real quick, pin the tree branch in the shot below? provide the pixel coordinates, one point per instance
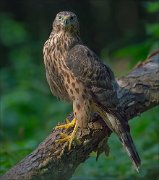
(51, 160)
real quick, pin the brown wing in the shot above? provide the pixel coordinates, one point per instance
(100, 81)
(97, 77)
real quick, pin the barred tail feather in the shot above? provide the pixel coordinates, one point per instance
(128, 144)
(118, 124)
(121, 128)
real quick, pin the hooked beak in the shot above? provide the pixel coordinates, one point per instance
(65, 20)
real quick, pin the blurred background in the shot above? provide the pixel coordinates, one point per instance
(121, 32)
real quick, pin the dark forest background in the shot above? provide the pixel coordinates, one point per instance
(121, 32)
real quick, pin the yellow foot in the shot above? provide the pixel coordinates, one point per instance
(67, 125)
(69, 138)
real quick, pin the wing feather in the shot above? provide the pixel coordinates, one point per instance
(96, 75)
(100, 81)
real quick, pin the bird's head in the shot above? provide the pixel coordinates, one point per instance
(66, 21)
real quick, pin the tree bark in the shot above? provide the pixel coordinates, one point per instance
(138, 92)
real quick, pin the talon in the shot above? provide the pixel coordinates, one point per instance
(67, 121)
(67, 125)
(65, 137)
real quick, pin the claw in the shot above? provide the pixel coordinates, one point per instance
(67, 121)
(67, 125)
(65, 137)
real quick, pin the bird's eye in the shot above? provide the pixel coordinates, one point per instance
(71, 18)
(60, 17)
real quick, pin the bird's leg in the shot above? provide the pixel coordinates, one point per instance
(67, 125)
(81, 118)
(65, 137)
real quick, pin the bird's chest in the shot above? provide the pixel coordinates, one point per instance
(61, 80)
(55, 69)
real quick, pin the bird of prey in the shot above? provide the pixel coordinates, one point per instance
(76, 74)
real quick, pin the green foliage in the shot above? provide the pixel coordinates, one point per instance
(139, 51)
(152, 7)
(11, 32)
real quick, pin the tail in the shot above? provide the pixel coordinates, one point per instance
(121, 128)
(118, 124)
(128, 144)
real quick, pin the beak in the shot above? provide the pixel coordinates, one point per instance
(65, 19)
